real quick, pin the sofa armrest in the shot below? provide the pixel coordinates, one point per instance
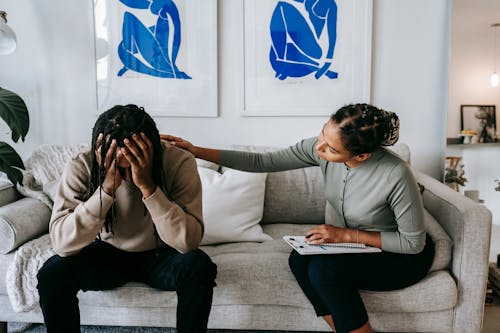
(8, 193)
(469, 226)
(21, 221)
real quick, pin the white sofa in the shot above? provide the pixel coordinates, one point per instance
(255, 288)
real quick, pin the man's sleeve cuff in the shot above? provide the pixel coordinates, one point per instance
(157, 203)
(98, 204)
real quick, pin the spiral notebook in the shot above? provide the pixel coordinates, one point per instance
(299, 244)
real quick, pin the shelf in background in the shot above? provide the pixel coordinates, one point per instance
(473, 145)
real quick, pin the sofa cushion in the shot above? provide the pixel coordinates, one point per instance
(8, 192)
(293, 196)
(258, 274)
(442, 243)
(232, 206)
(5, 261)
(207, 164)
(249, 279)
(16, 229)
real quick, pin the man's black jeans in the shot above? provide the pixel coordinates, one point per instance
(100, 266)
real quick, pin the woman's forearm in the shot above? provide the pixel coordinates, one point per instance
(371, 238)
(207, 154)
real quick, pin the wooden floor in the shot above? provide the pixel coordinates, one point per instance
(491, 322)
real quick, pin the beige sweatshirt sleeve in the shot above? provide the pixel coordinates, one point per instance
(179, 220)
(74, 223)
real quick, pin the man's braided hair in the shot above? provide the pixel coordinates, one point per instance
(119, 123)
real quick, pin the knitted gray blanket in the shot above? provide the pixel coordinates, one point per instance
(43, 167)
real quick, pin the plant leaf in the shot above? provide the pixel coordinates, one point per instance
(14, 112)
(9, 162)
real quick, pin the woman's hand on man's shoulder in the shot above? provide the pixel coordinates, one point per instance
(178, 142)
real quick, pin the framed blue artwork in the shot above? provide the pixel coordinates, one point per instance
(306, 57)
(159, 54)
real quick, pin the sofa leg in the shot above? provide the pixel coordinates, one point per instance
(3, 327)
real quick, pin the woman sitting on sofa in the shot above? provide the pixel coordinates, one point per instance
(372, 198)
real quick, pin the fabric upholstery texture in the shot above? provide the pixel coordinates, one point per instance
(5, 261)
(469, 226)
(8, 193)
(15, 229)
(250, 279)
(442, 243)
(287, 191)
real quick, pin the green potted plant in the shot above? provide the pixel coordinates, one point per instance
(14, 112)
(454, 177)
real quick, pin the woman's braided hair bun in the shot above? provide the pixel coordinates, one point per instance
(392, 134)
(364, 127)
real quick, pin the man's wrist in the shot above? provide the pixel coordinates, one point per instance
(148, 191)
(107, 190)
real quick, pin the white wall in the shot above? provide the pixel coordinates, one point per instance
(471, 59)
(53, 70)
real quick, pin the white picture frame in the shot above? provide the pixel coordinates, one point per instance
(181, 83)
(267, 95)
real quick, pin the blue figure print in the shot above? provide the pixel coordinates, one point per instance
(295, 49)
(151, 50)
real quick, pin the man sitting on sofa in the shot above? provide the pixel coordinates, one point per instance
(129, 209)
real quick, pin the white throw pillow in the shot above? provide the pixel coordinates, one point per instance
(233, 203)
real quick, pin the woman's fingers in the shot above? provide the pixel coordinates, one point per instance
(316, 239)
(169, 137)
(182, 144)
(313, 235)
(176, 141)
(319, 234)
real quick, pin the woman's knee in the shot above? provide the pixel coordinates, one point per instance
(297, 262)
(325, 270)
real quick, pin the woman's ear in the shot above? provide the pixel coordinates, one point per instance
(363, 157)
